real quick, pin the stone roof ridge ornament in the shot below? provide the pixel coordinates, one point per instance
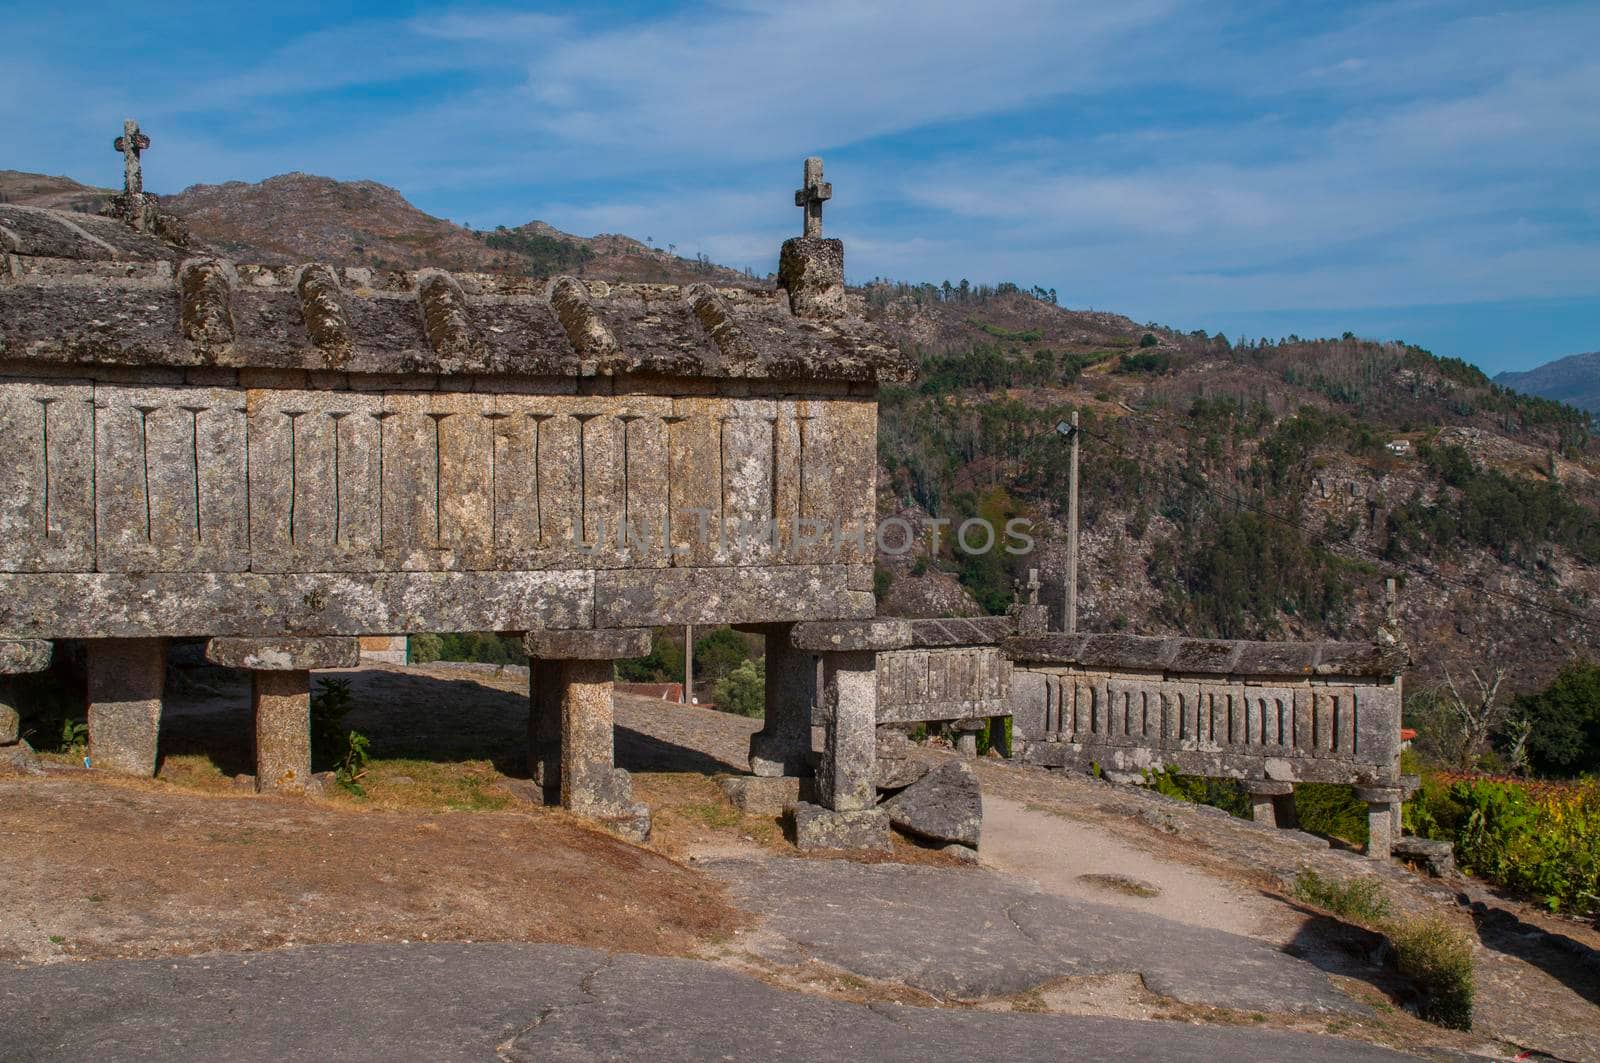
(811, 267)
(133, 206)
(810, 196)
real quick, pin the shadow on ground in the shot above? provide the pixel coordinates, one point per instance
(405, 715)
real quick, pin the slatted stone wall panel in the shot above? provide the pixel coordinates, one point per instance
(942, 684)
(1235, 728)
(170, 488)
(46, 483)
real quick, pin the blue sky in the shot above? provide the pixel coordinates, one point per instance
(1419, 170)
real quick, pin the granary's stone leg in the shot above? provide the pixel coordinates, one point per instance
(847, 777)
(783, 745)
(126, 680)
(1272, 803)
(848, 816)
(575, 670)
(17, 658)
(280, 698)
(544, 728)
(967, 737)
(281, 702)
(1383, 802)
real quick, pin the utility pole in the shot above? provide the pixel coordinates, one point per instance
(688, 664)
(1069, 611)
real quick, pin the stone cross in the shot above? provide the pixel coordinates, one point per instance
(131, 143)
(815, 193)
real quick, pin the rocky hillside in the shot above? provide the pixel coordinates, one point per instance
(1574, 380)
(1240, 489)
(1247, 489)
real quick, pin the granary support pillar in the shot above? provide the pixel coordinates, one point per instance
(571, 680)
(126, 681)
(18, 657)
(847, 815)
(280, 699)
(1272, 803)
(783, 745)
(1383, 813)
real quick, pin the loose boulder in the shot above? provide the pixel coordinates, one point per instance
(945, 805)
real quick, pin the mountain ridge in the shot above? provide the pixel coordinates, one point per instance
(1574, 379)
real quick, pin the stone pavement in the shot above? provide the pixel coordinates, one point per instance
(487, 1001)
(971, 934)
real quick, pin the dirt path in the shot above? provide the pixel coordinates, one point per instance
(1088, 862)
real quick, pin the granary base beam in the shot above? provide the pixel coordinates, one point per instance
(280, 699)
(571, 681)
(126, 680)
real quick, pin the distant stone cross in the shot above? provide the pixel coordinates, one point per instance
(131, 143)
(815, 193)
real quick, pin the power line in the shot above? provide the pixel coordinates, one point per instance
(1364, 554)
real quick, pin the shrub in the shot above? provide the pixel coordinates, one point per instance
(331, 742)
(1538, 840)
(1438, 958)
(717, 653)
(664, 663)
(1564, 736)
(743, 690)
(1331, 810)
(421, 649)
(1226, 794)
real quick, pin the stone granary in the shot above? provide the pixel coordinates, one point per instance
(283, 460)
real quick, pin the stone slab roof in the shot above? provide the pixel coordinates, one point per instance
(84, 290)
(1207, 656)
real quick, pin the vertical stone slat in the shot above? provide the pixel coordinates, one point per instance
(46, 490)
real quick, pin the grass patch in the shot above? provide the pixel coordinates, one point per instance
(1360, 901)
(1435, 955)
(432, 786)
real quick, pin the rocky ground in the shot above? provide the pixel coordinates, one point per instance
(1101, 915)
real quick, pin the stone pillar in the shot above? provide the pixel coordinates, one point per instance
(126, 680)
(575, 674)
(848, 816)
(1272, 802)
(18, 657)
(783, 745)
(280, 699)
(967, 737)
(847, 778)
(1383, 807)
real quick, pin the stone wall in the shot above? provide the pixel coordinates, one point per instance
(170, 502)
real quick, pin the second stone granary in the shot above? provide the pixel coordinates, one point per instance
(282, 459)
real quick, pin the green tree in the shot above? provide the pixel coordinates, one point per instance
(717, 653)
(1564, 717)
(743, 690)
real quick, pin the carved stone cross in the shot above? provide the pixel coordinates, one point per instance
(131, 143)
(815, 193)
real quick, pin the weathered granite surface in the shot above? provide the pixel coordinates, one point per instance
(945, 805)
(63, 306)
(817, 828)
(599, 644)
(1208, 656)
(126, 679)
(284, 654)
(19, 657)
